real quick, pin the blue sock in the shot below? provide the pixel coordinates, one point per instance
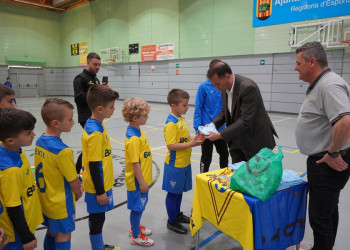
(63, 245)
(170, 203)
(178, 203)
(97, 242)
(135, 218)
(49, 242)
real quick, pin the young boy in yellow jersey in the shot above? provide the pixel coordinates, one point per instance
(138, 173)
(7, 97)
(177, 176)
(7, 100)
(98, 177)
(20, 211)
(56, 177)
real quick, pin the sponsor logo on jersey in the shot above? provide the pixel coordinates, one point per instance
(183, 140)
(30, 191)
(146, 154)
(107, 152)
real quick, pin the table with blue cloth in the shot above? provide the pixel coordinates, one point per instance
(276, 223)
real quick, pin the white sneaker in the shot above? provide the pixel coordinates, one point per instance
(145, 231)
(142, 240)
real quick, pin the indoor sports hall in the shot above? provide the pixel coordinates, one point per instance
(149, 47)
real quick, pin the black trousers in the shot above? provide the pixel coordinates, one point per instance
(325, 185)
(79, 163)
(207, 152)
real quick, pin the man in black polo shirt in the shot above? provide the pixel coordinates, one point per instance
(81, 84)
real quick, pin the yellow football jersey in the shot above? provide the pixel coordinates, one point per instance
(18, 189)
(137, 149)
(97, 147)
(54, 169)
(176, 131)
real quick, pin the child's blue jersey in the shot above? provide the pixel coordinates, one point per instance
(137, 149)
(54, 169)
(176, 131)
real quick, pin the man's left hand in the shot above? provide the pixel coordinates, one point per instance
(213, 136)
(105, 83)
(338, 164)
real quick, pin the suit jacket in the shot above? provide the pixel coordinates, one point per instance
(248, 127)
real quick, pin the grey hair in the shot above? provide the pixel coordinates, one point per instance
(313, 49)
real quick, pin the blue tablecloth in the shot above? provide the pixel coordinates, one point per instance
(279, 222)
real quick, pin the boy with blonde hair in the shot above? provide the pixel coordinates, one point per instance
(20, 213)
(56, 177)
(138, 173)
(98, 176)
(177, 176)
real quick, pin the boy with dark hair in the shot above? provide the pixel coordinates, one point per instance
(56, 177)
(98, 177)
(138, 173)
(20, 212)
(7, 97)
(7, 100)
(177, 176)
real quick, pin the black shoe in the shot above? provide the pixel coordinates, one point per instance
(111, 247)
(183, 218)
(176, 227)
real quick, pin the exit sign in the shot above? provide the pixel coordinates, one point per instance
(262, 62)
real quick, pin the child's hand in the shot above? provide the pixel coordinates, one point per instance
(78, 195)
(30, 245)
(102, 199)
(197, 140)
(143, 187)
(4, 240)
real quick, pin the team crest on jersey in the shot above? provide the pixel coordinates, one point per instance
(143, 201)
(172, 183)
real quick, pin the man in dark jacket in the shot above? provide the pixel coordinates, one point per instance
(248, 127)
(81, 84)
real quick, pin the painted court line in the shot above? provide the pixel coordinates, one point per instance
(282, 120)
(207, 240)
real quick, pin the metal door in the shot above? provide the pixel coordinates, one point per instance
(27, 85)
(25, 81)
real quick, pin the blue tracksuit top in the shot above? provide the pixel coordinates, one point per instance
(8, 84)
(207, 106)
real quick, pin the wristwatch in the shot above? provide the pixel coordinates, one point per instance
(333, 155)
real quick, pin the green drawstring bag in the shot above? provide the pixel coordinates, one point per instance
(260, 176)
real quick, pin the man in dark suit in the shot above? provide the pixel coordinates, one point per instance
(248, 127)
